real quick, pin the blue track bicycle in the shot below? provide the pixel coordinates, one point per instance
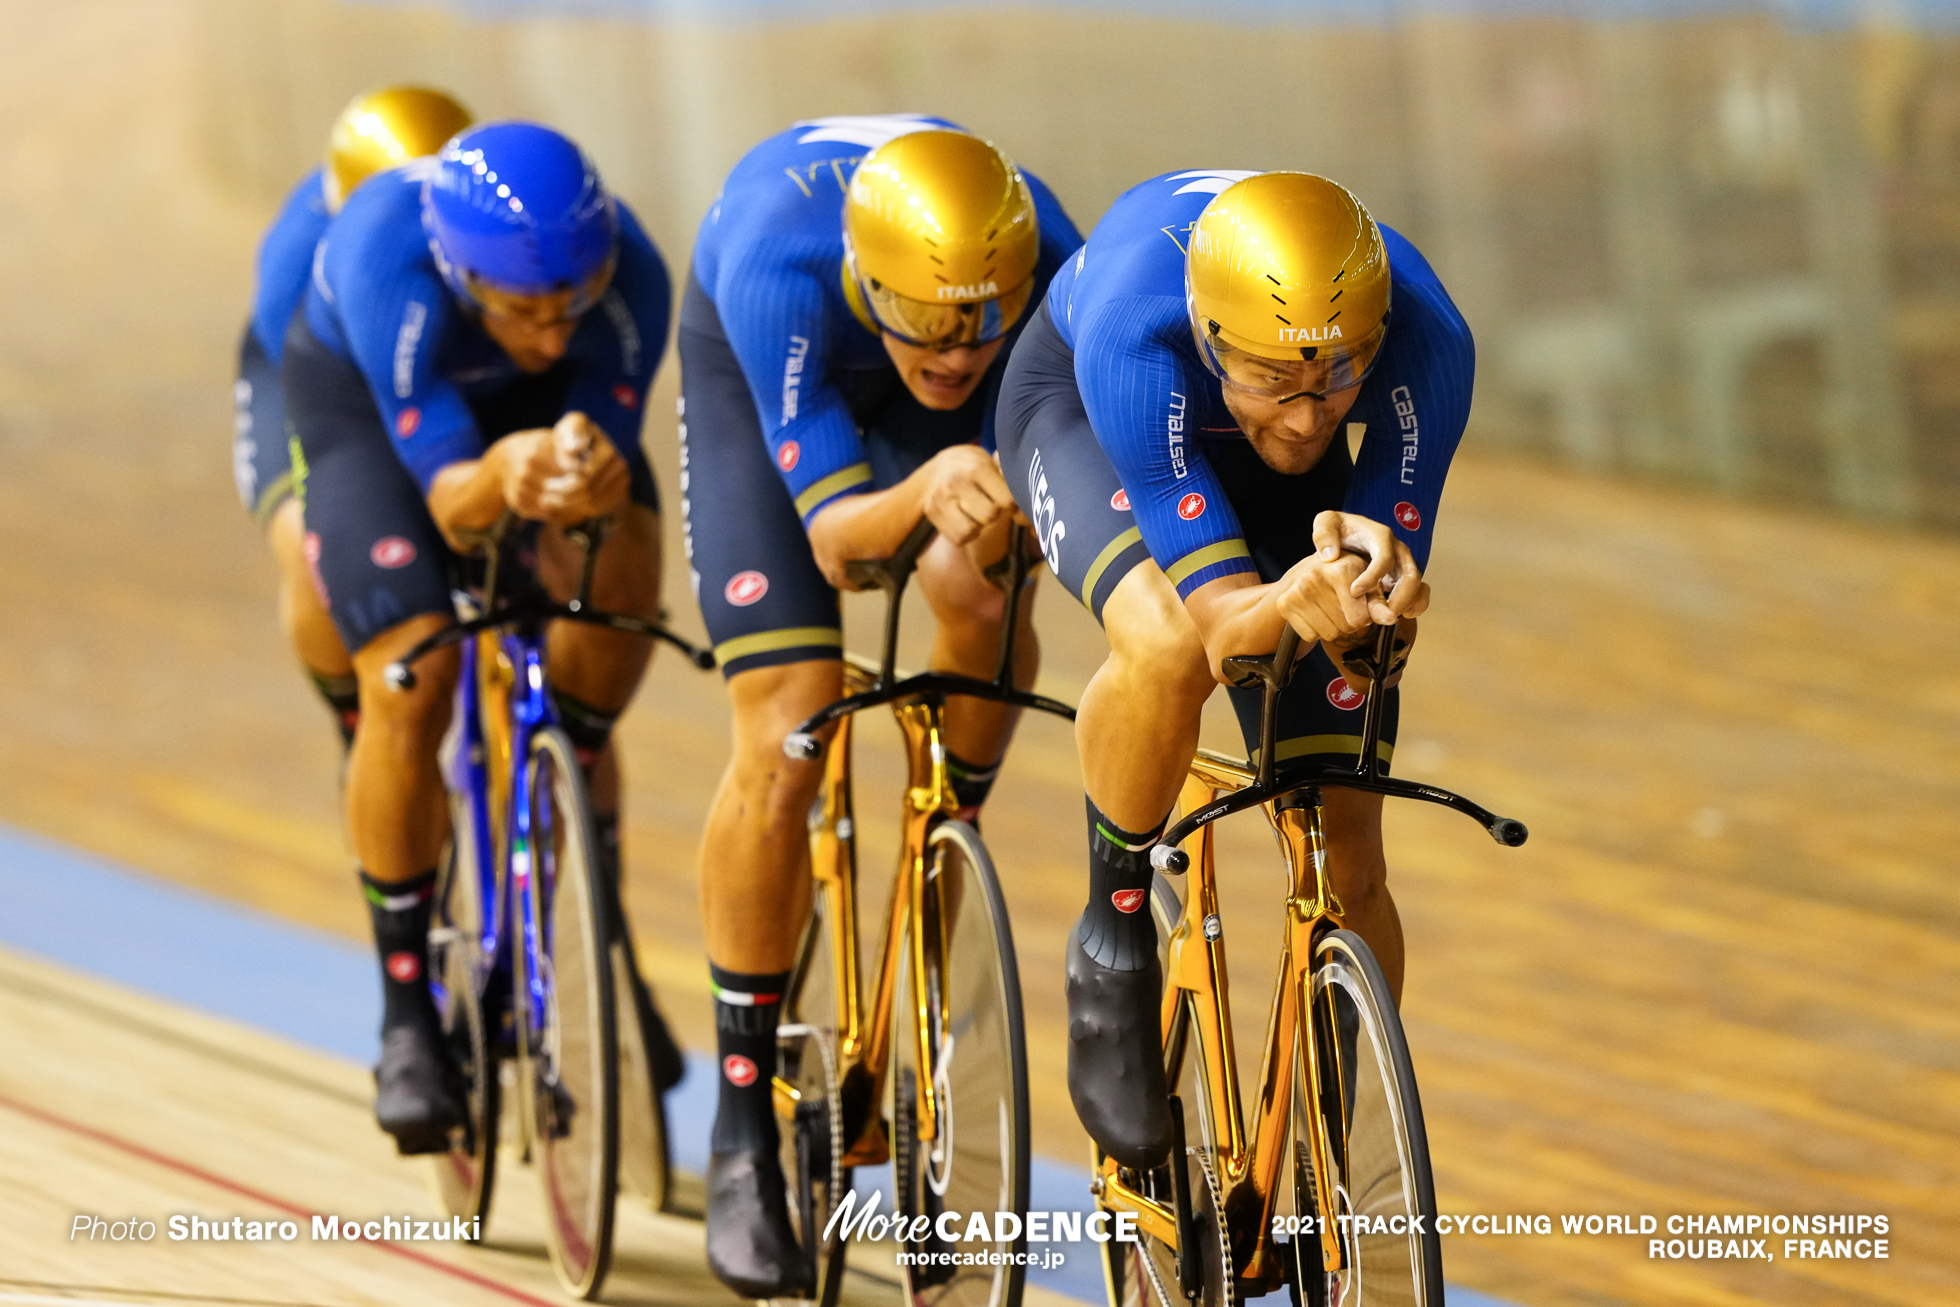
(529, 956)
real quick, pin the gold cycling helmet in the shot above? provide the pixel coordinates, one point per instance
(1288, 287)
(940, 240)
(380, 129)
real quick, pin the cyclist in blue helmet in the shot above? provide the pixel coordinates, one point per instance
(447, 366)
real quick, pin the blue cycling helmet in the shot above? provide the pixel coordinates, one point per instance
(518, 207)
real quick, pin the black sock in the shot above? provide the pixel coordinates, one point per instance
(746, 1008)
(971, 782)
(343, 699)
(585, 726)
(400, 913)
(1117, 930)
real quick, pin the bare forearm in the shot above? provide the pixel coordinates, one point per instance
(1236, 615)
(866, 526)
(468, 496)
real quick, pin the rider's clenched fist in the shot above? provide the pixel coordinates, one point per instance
(565, 475)
(965, 492)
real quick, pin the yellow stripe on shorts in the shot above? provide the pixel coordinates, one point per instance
(1103, 560)
(795, 637)
(1306, 746)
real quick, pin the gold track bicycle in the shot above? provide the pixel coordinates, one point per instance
(1335, 1114)
(932, 1074)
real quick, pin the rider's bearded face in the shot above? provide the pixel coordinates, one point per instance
(1290, 437)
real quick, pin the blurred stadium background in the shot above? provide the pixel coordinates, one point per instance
(1695, 578)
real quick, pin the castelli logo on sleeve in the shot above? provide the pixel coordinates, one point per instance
(407, 421)
(1409, 515)
(744, 588)
(391, 552)
(1120, 501)
(1191, 506)
(786, 456)
(1127, 900)
(405, 967)
(1343, 695)
(741, 1072)
(627, 397)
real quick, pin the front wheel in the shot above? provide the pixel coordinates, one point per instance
(973, 1059)
(1377, 1148)
(568, 1070)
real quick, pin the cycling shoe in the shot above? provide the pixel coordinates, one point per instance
(416, 1098)
(1115, 1058)
(751, 1247)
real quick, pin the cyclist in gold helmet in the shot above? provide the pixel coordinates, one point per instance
(376, 131)
(842, 339)
(1176, 421)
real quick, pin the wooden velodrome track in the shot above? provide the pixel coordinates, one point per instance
(1720, 979)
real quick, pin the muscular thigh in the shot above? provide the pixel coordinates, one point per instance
(376, 556)
(761, 595)
(1059, 474)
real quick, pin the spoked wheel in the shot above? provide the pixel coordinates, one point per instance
(1147, 1273)
(567, 1075)
(644, 1171)
(809, 1105)
(1377, 1148)
(977, 1070)
(464, 1177)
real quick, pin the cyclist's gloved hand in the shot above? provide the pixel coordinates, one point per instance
(965, 492)
(565, 475)
(1391, 583)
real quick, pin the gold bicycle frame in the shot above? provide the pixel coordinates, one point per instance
(833, 865)
(1250, 1168)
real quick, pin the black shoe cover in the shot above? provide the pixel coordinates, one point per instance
(751, 1247)
(1116, 1059)
(416, 1093)
(667, 1064)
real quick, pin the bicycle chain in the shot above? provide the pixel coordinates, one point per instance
(833, 1101)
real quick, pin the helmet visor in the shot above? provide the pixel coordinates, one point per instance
(1315, 373)
(945, 326)
(563, 304)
